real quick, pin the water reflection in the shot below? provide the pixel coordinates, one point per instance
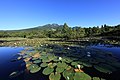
(9, 62)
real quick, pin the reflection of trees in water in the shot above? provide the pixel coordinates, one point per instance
(101, 43)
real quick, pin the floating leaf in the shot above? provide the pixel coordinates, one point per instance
(96, 78)
(115, 64)
(74, 63)
(44, 64)
(37, 61)
(34, 59)
(55, 76)
(64, 65)
(87, 64)
(68, 74)
(16, 73)
(47, 71)
(81, 76)
(60, 69)
(34, 68)
(36, 55)
(52, 65)
(104, 68)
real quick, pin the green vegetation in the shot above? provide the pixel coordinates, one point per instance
(56, 50)
(63, 31)
(53, 61)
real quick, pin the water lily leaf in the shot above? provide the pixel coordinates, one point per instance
(34, 59)
(37, 61)
(81, 76)
(36, 55)
(44, 64)
(68, 74)
(19, 58)
(45, 60)
(56, 60)
(74, 63)
(55, 76)
(87, 64)
(104, 68)
(51, 57)
(63, 64)
(60, 69)
(13, 74)
(68, 60)
(98, 59)
(115, 64)
(47, 71)
(96, 78)
(68, 67)
(34, 68)
(52, 65)
(16, 73)
(43, 57)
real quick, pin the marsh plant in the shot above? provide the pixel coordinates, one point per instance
(68, 62)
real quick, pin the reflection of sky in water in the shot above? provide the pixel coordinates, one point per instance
(6, 53)
(110, 48)
(6, 66)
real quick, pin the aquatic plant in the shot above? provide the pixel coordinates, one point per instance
(96, 78)
(34, 68)
(81, 76)
(70, 66)
(54, 76)
(47, 71)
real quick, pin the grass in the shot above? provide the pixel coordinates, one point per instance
(30, 42)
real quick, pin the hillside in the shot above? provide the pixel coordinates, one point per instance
(63, 31)
(46, 27)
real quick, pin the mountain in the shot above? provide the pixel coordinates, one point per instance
(45, 27)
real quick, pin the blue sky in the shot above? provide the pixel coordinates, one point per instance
(21, 14)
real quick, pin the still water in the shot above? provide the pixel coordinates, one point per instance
(9, 62)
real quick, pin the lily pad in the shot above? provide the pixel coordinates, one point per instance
(81, 76)
(47, 71)
(87, 64)
(34, 68)
(74, 63)
(60, 69)
(68, 74)
(104, 68)
(37, 61)
(63, 64)
(55, 76)
(52, 65)
(96, 78)
(44, 64)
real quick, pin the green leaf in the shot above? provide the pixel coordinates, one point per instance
(47, 71)
(44, 64)
(37, 61)
(104, 68)
(96, 78)
(55, 76)
(60, 69)
(34, 68)
(81, 76)
(68, 74)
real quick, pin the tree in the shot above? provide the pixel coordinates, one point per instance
(65, 28)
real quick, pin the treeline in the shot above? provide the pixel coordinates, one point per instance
(63, 32)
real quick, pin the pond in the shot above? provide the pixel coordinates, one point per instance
(11, 61)
(110, 48)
